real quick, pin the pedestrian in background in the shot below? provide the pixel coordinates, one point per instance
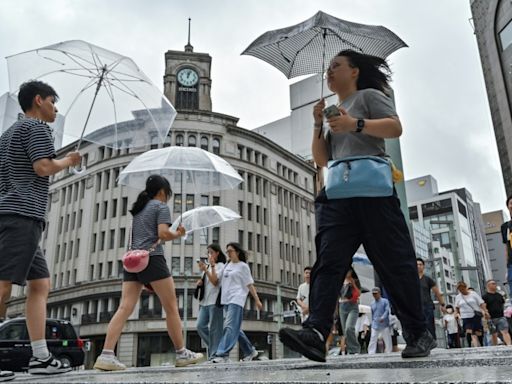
(380, 323)
(495, 303)
(349, 310)
(237, 283)
(451, 325)
(506, 234)
(365, 116)
(210, 317)
(27, 159)
(150, 226)
(427, 285)
(471, 308)
(363, 331)
(303, 295)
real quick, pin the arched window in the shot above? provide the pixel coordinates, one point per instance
(216, 146)
(204, 143)
(167, 142)
(154, 142)
(179, 140)
(192, 141)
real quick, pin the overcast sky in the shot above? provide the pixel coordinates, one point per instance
(438, 81)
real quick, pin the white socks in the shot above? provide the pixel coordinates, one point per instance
(181, 351)
(40, 349)
(108, 353)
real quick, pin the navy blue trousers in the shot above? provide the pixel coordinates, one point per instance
(379, 225)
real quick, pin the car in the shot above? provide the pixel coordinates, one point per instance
(15, 349)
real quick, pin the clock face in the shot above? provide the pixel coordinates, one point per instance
(188, 77)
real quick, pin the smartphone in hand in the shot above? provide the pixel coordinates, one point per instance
(331, 111)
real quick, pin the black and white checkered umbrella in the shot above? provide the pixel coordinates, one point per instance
(302, 49)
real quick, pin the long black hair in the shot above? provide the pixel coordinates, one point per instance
(355, 277)
(221, 258)
(242, 255)
(374, 72)
(154, 184)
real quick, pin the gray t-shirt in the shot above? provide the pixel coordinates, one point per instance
(145, 226)
(363, 104)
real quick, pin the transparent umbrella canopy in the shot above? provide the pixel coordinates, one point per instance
(104, 96)
(10, 112)
(188, 169)
(204, 217)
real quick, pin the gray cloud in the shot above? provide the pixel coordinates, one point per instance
(438, 80)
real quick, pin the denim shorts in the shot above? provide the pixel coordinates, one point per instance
(21, 258)
(500, 323)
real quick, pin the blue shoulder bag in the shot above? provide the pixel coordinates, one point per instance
(358, 176)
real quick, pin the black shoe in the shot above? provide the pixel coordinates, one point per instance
(305, 341)
(420, 347)
(48, 366)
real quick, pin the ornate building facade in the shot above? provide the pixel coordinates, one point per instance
(89, 222)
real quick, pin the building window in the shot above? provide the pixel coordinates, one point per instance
(249, 211)
(98, 182)
(177, 204)
(189, 204)
(102, 241)
(204, 143)
(192, 141)
(216, 235)
(175, 265)
(241, 208)
(122, 237)
(125, 206)
(249, 182)
(112, 239)
(241, 238)
(179, 140)
(114, 207)
(249, 241)
(216, 200)
(506, 36)
(188, 266)
(216, 146)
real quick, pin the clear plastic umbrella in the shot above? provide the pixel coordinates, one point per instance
(204, 217)
(104, 96)
(188, 169)
(10, 112)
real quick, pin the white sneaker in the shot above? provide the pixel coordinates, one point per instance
(109, 363)
(254, 354)
(187, 357)
(220, 359)
(6, 376)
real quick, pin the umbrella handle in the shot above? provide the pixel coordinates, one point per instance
(78, 170)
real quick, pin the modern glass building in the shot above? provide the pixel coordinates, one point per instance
(492, 20)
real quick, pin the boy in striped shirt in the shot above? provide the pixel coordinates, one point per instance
(27, 159)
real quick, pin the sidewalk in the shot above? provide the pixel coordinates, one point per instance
(471, 365)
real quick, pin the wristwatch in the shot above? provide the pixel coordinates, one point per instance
(359, 125)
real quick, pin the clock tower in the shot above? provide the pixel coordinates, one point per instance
(187, 79)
